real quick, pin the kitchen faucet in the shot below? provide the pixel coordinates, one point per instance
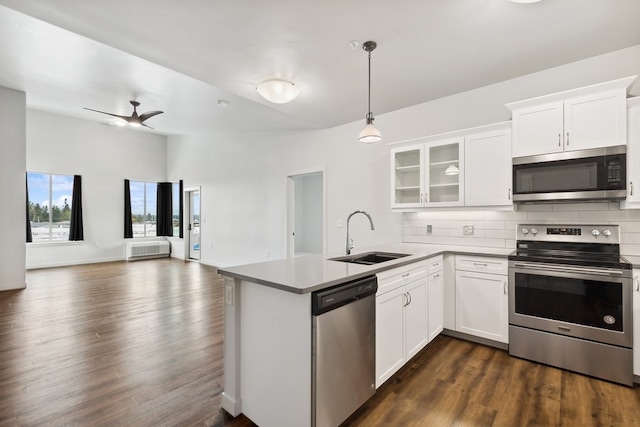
(350, 242)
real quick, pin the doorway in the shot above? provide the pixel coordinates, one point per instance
(193, 216)
(306, 213)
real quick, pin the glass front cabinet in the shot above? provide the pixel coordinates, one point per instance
(428, 174)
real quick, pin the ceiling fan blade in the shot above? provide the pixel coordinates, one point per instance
(109, 114)
(149, 114)
(146, 125)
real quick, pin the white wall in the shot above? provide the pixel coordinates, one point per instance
(12, 188)
(243, 175)
(104, 155)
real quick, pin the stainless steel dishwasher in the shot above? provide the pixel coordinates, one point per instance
(343, 350)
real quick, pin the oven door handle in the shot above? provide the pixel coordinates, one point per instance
(567, 269)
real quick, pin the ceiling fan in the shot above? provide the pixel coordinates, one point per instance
(134, 120)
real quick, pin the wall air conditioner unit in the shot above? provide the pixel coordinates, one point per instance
(147, 250)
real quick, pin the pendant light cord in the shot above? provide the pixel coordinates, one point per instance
(369, 97)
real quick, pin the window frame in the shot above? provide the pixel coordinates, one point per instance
(50, 240)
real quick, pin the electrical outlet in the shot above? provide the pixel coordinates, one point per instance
(429, 229)
(467, 230)
(228, 295)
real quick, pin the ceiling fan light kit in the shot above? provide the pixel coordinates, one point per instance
(278, 91)
(369, 134)
(134, 120)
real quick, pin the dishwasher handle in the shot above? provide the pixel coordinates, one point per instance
(342, 294)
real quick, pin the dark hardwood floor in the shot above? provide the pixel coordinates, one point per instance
(140, 344)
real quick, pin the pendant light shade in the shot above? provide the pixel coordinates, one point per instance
(369, 134)
(278, 91)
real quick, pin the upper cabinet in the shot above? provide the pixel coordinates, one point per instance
(488, 167)
(590, 117)
(428, 174)
(633, 154)
(471, 167)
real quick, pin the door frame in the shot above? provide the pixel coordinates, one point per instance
(187, 214)
(289, 240)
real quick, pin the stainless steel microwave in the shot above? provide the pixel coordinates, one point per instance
(593, 174)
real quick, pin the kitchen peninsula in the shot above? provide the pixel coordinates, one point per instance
(268, 327)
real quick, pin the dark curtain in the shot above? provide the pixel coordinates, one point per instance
(164, 209)
(180, 219)
(76, 231)
(128, 222)
(29, 236)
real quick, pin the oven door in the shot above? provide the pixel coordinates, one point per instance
(581, 302)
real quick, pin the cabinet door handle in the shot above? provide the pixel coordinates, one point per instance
(631, 188)
(567, 138)
(405, 275)
(509, 194)
(637, 283)
(559, 140)
(504, 287)
(410, 299)
(426, 197)
(435, 276)
(479, 264)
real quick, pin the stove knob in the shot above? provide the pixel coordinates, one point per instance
(525, 231)
(606, 232)
(595, 232)
(534, 231)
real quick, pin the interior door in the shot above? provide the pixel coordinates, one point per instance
(194, 224)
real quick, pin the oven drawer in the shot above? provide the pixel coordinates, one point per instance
(482, 264)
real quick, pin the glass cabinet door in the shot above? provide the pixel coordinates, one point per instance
(407, 177)
(445, 178)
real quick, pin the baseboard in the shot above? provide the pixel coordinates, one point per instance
(472, 338)
(81, 262)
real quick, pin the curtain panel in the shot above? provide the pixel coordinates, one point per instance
(180, 217)
(128, 220)
(76, 228)
(164, 209)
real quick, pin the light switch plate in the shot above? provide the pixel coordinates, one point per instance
(467, 230)
(429, 228)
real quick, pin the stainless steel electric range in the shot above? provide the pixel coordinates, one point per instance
(570, 300)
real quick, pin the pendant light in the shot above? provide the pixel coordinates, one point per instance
(369, 134)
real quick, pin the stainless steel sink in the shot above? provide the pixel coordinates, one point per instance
(369, 258)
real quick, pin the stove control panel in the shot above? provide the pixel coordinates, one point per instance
(568, 233)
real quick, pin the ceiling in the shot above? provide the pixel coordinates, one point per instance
(183, 56)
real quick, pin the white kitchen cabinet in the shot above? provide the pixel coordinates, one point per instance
(481, 297)
(633, 154)
(419, 174)
(401, 318)
(488, 168)
(407, 176)
(636, 322)
(435, 297)
(584, 118)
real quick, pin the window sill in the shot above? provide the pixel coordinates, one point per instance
(55, 243)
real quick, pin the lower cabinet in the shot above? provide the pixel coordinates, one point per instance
(481, 297)
(401, 318)
(435, 284)
(636, 322)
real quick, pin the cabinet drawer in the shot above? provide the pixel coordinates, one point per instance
(434, 264)
(494, 265)
(394, 278)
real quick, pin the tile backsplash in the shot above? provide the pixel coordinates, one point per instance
(496, 229)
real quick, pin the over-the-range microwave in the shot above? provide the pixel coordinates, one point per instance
(593, 174)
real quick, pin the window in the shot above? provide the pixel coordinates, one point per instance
(175, 187)
(50, 201)
(143, 208)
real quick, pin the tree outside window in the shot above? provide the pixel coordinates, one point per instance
(50, 199)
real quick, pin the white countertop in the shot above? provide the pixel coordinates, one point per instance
(310, 273)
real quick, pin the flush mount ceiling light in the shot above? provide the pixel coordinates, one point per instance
(369, 134)
(278, 91)
(452, 170)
